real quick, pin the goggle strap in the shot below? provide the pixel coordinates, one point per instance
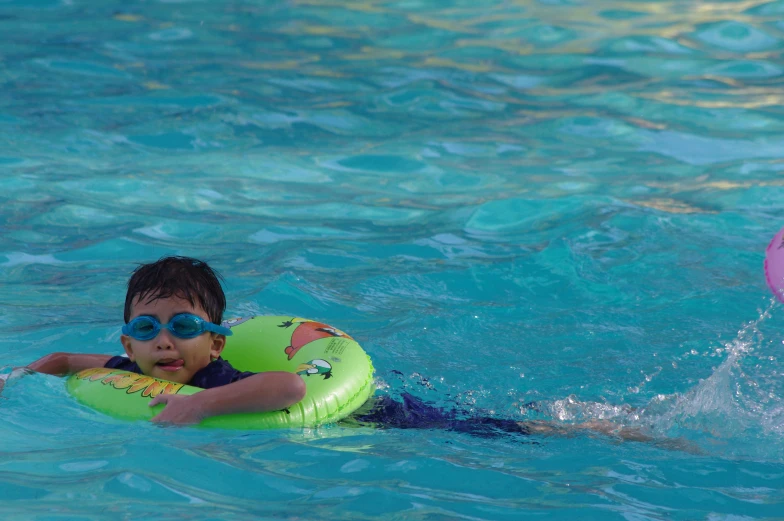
(214, 328)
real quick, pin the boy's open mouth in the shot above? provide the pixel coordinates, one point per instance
(170, 364)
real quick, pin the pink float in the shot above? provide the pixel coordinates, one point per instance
(774, 265)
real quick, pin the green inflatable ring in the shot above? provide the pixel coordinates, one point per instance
(338, 375)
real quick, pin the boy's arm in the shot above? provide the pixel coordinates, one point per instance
(67, 363)
(59, 364)
(262, 392)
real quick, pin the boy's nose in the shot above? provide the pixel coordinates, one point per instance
(164, 340)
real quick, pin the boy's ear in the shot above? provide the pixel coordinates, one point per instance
(125, 340)
(218, 343)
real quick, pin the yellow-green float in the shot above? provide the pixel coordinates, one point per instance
(338, 375)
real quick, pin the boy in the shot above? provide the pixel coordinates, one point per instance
(173, 311)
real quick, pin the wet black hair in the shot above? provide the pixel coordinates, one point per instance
(183, 277)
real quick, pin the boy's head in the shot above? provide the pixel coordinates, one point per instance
(184, 277)
(163, 290)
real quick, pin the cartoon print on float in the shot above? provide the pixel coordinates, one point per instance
(133, 382)
(318, 366)
(307, 332)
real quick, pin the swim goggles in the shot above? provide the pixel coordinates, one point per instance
(184, 325)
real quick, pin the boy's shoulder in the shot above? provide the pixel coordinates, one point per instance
(217, 373)
(123, 363)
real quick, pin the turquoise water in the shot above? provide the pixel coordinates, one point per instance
(564, 202)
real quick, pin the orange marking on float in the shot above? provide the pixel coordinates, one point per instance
(161, 387)
(96, 373)
(141, 384)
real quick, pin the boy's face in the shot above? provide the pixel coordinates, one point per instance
(166, 356)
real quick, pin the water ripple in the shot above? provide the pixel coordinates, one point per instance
(553, 202)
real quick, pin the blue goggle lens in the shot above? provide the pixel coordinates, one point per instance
(186, 327)
(144, 328)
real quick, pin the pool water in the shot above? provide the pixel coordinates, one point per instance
(560, 202)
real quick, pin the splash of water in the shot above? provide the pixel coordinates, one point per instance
(741, 400)
(730, 403)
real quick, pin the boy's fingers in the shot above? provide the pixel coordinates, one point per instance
(161, 398)
(157, 418)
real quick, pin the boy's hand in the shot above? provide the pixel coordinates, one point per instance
(17, 372)
(179, 410)
(262, 392)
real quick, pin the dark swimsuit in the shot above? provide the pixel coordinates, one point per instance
(413, 413)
